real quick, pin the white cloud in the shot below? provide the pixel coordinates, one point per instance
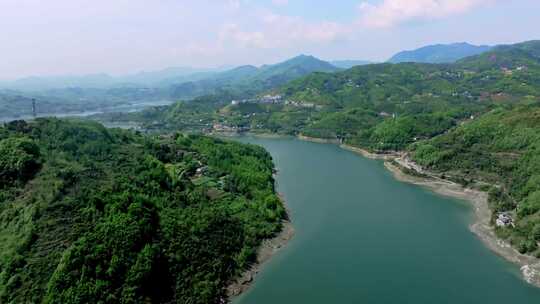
(119, 36)
(233, 4)
(233, 34)
(393, 12)
(280, 2)
(267, 30)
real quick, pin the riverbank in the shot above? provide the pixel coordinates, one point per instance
(318, 140)
(367, 154)
(481, 227)
(253, 134)
(266, 251)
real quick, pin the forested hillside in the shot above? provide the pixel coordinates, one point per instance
(419, 100)
(95, 215)
(475, 120)
(379, 106)
(248, 80)
(501, 148)
(440, 53)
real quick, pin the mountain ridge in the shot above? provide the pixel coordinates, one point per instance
(249, 79)
(439, 53)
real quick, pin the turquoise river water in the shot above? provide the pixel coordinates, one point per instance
(364, 237)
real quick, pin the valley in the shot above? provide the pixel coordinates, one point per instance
(445, 117)
(172, 212)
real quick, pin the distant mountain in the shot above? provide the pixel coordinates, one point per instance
(516, 56)
(247, 80)
(238, 73)
(440, 53)
(296, 67)
(347, 64)
(505, 73)
(55, 82)
(168, 75)
(103, 81)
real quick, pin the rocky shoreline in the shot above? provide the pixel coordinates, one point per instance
(318, 140)
(481, 227)
(367, 154)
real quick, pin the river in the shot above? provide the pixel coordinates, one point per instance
(129, 107)
(364, 237)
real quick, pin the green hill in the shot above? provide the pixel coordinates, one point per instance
(93, 215)
(439, 53)
(502, 148)
(347, 64)
(505, 57)
(474, 120)
(246, 81)
(418, 94)
(387, 106)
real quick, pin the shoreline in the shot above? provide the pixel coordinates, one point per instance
(318, 140)
(371, 155)
(265, 252)
(481, 226)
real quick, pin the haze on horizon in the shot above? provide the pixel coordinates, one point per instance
(63, 37)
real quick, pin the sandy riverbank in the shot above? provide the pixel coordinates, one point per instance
(530, 266)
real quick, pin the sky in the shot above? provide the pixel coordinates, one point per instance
(75, 37)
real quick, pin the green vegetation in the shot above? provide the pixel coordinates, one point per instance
(246, 81)
(378, 106)
(439, 53)
(91, 215)
(474, 121)
(503, 149)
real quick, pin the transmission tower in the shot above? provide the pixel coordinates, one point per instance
(34, 113)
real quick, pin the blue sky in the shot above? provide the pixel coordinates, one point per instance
(58, 37)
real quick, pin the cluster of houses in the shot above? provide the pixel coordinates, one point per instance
(508, 71)
(266, 99)
(504, 220)
(465, 94)
(219, 127)
(275, 99)
(301, 104)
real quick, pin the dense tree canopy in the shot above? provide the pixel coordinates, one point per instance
(110, 216)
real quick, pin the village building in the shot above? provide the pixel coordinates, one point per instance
(504, 220)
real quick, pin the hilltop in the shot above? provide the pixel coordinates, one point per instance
(96, 215)
(439, 53)
(249, 80)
